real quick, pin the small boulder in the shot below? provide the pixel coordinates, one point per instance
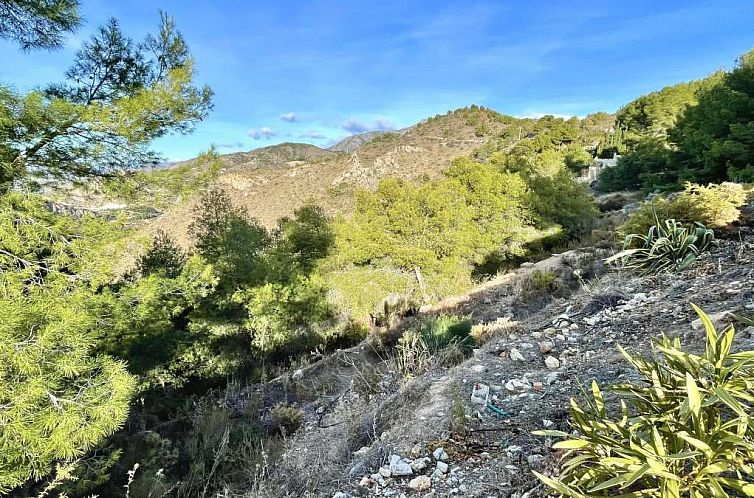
(440, 454)
(516, 355)
(479, 393)
(398, 467)
(421, 483)
(552, 362)
(420, 464)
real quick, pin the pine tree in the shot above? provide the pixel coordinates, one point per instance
(38, 24)
(119, 96)
(163, 257)
(57, 398)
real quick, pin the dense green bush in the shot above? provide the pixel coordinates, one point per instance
(714, 206)
(59, 398)
(162, 256)
(684, 427)
(561, 200)
(230, 240)
(430, 240)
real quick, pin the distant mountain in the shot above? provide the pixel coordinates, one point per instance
(354, 142)
(271, 182)
(273, 156)
(277, 155)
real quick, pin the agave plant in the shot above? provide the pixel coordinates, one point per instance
(685, 429)
(668, 245)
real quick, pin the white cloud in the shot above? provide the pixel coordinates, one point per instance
(263, 133)
(355, 125)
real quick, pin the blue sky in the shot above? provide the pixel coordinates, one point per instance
(320, 70)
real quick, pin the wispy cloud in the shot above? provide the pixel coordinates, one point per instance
(314, 135)
(290, 117)
(355, 125)
(230, 145)
(263, 133)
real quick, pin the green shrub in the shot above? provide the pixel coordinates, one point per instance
(684, 429)
(285, 419)
(714, 206)
(537, 285)
(163, 256)
(444, 339)
(669, 245)
(288, 318)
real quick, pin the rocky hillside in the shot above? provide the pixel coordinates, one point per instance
(273, 181)
(465, 430)
(355, 142)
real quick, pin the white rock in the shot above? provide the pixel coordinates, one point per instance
(385, 472)
(516, 355)
(545, 347)
(480, 393)
(442, 467)
(552, 362)
(365, 481)
(398, 467)
(547, 423)
(421, 483)
(298, 374)
(361, 451)
(516, 384)
(420, 464)
(341, 494)
(594, 320)
(478, 368)
(440, 454)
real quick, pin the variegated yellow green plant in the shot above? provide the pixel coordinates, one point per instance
(685, 428)
(668, 245)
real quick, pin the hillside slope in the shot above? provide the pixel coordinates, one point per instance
(273, 181)
(536, 360)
